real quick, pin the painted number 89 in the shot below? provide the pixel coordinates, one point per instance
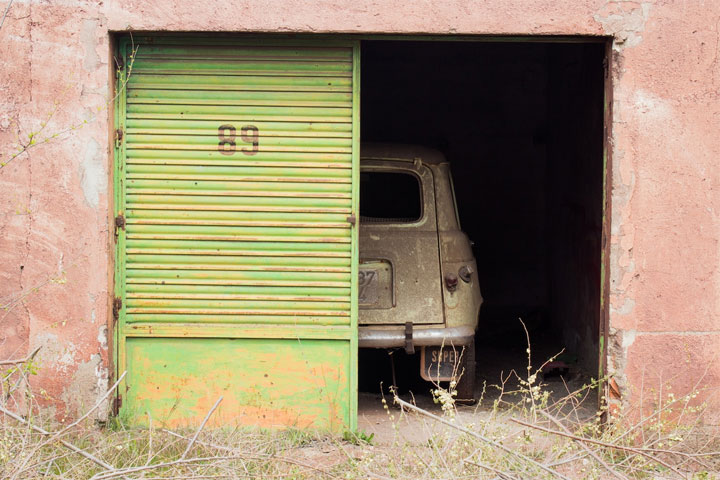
(248, 134)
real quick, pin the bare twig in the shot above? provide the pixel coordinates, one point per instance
(251, 456)
(20, 360)
(9, 302)
(151, 432)
(21, 376)
(639, 451)
(658, 412)
(69, 445)
(597, 458)
(208, 444)
(97, 404)
(186, 461)
(495, 444)
(7, 9)
(35, 139)
(56, 435)
(202, 425)
(502, 475)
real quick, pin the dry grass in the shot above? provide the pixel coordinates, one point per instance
(521, 434)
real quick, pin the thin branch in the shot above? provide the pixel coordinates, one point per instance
(97, 404)
(21, 375)
(185, 461)
(597, 458)
(33, 141)
(69, 445)
(7, 9)
(637, 451)
(684, 399)
(56, 435)
(251, 457)
(565, 460)
(20, 360)
(502, 475)
(495, 444)
(151, 432)
(202, 425)
(207, 444)
(17, 298)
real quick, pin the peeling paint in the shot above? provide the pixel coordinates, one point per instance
(5, 119)
(626, 25)
(88, 39)
(649, 104)
(102, 337)
(88, 384)
(625, 309)
(93, 176)
(628, 338)
(54, 353)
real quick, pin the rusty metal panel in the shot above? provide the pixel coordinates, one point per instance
(235, 175)
(303, 383)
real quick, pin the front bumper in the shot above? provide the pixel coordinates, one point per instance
(374, 337)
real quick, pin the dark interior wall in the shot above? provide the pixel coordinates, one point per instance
(515, 120)
(484, 106)
(575, 193)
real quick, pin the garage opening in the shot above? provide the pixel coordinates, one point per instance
(521, 124)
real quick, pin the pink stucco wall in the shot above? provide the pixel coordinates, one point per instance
(55, 243)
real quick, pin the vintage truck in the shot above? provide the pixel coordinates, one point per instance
(418, 285)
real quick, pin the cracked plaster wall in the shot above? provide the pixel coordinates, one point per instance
(664, 249)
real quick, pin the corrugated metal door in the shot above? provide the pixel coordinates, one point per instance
(236, 266)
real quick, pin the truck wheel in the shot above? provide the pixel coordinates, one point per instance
(466, 385)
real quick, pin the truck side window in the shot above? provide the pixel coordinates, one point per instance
(390, 197)
(452, 189)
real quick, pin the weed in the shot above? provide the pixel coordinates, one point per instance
(527, 431)
(358, 437)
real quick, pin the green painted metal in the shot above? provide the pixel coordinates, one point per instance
(176, 378)
(236, 174)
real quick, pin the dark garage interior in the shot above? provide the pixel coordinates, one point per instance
(522, 126)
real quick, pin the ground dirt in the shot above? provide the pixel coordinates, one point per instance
(495, 364)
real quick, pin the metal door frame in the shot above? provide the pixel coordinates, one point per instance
(120, 42)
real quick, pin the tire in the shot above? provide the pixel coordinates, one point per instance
(466, 385)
